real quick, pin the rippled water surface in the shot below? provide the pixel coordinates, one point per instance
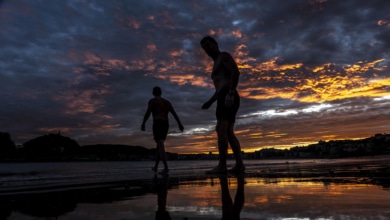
(173, 197)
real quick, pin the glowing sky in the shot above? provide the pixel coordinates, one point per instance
(310, 69)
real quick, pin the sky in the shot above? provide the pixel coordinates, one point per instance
(310, 70)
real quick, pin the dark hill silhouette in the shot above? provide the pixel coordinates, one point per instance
(53, 146)
(7, 146)
(56, 147)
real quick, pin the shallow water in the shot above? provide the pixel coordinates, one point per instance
(198, 197)
(49, 173)
(57, 172)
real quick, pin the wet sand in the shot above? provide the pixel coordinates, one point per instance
(334, 189)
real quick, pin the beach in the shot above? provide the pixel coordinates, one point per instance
(352, 188)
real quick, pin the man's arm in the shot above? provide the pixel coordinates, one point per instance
(146, 116)
(177, 119)
(213, 98)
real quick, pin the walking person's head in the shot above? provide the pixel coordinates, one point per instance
(210, 46)
(157, 91)
(208, 38)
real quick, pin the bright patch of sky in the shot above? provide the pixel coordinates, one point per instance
(279, 113)
(382, 98)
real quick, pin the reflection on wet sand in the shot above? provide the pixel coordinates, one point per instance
(44, 206)
(55, 205)
(287, 198)
(162, 193)
(207, 199)
(231, 210)
(300, 192)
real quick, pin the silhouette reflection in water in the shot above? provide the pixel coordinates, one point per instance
(162, 192)
(231, 210)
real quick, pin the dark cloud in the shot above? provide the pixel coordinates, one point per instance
(310, 70)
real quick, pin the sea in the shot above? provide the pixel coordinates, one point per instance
(36, 174)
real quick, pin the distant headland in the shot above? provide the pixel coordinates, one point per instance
(56, 147)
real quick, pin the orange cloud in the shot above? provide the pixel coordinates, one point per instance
(129, 22)
(242, 58)
(271, 65)
(328, 82)
(237, 33)
(151, 47)
(384, 23)
(322, 67)
(362, 67)
(176, 53)
(347, 85)
(216, 32)
(268, 92)
(90, 58)
(82, 101)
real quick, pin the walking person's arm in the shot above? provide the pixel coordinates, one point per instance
(173, 112)
(146, 116)
(213, 98)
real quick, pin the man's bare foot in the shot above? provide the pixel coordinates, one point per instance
(217, 169)
(165, 170)
(237, 169)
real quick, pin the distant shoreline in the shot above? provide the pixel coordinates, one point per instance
(56, 147)
(182, 157)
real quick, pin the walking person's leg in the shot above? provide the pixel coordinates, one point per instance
(221, 129)
(163, 155)
(236, 148)
(157, 159)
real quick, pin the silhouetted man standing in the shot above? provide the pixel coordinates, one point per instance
(225, 77)
(160, 108)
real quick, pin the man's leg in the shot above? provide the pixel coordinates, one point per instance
(221, 130)
(157, 158)
(236, 147)
(162, 153)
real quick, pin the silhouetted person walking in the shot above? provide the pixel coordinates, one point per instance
(160, 108)
(225, 77)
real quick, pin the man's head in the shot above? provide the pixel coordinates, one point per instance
(157, 91)
(210, 46)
